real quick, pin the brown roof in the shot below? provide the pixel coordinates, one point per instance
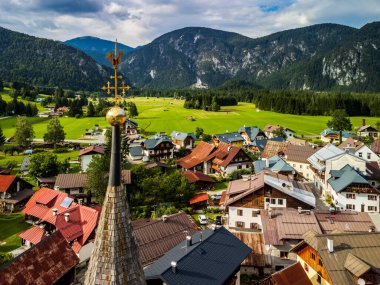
(295, 141)
(224, 154)
(344, 221)
(223, 198)
(271, 128)
(44, 263)
(273, 148)
(197, 156)
(292, 275)
(298, 153)
(94, 149)
(46, 179)
(256, 242)
(366, 127)
(19, 196)
(195, 176)
(71, 180)
(350, 142)
(287, 224)
(363, 246)
(156, 237)
(375, 147)
(373, 170)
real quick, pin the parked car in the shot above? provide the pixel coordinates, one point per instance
(218, 220)
(203, 220)
(216, 197)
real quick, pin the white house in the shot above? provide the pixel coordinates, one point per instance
(86, 154)
(367, 131)
(297, 155)
(181, 139)
(332, 136)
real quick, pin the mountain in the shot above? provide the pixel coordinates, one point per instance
(97, 48)
(45, 62)
(315, 57)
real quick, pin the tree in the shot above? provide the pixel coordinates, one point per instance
(97, 177)
(340, 122)
(45, 165)
(214, 105)
(206, 137)
(132, 109)
(90, 110)
(198, 132)
(24, 132)
(2, 137)
(124, 147)
(1, 85)
(55, 133)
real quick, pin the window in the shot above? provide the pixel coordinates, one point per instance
(284, 254)
(254, 226)
(254, 214)
(372, 197)
(312, 255)
(273, 201)
(240, 212)
(280, 201)
(267, 200)
(360, 154)
(350, 207)
(294, 165)
(247, 166)
(319, 279)
(368, 156)
(320, 262)
(372, 208)
(240, 224)
(300, 166)
(350, 196)
(239, 167)
(373, 183)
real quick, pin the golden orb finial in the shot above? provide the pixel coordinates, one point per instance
(116, 116)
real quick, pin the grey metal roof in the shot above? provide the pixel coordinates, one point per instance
(276, 164)
(345, 134)
(182, 136)
(252, 132)
(210, 261)
(230, 137)
(347, 177)
(136, 150)
(325, 153)
(25, 163)
(261, 143)
(154, 141)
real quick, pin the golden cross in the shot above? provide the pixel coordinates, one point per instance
(115, 58)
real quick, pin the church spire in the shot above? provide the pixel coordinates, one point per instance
(115, 258)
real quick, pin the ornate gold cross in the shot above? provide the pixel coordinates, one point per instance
(115, 58)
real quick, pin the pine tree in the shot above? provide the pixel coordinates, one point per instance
(90, 110)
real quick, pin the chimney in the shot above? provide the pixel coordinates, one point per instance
(164, 218)
(201, 237)
(363, 122)
(55, 211)
(188, 241)
(330, 245)
(67, 217)
(174, 266)
(371, 229)
(267, 163)
(299, 210)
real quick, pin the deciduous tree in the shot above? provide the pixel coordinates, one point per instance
(340, 122)
(55, 132)
(45, 165)
(24, 132)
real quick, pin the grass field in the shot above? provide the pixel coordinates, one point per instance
(167, 114)
(4, 159)
(11, 225)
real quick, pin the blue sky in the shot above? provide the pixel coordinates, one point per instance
(138, 22)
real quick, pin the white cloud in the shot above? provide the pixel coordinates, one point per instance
(137, 22)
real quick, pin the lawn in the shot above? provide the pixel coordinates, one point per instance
(7, 98)
(11, 225)
(168, 114)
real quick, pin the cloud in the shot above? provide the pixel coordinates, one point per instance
(137, 22)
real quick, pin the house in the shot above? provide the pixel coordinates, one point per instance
(297, 155)
(5, 171)
(344, 221)
(156, 237)
(251, 134)
(183, 140)
(46, 182)
(51, 261)
(258, 146)
(271, 129)
(199, 179)
(367, 131)
(14, 192)
(136, 152)
(53, 210)
(156, 164)
(359, 149)
(73, 184)
(200, 201)
(332, 136)
(86, 154)
(234, 139)
(274, 164)
(226, 159)
(283, 228)
(351, 191)
(130, 127)
(273, 148)
(340, 258)
(206, 258)
(194, 160)
(246, 197)
(25, 164)
(291, 275)
(158, 147)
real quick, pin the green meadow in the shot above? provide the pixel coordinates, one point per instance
(168, 114)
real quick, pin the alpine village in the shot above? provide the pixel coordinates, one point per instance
(204, 157)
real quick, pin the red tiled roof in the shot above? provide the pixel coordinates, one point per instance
(223, 198)
(34, 234)
(44, 263)
(82, 220)
(92, 150)
(196, 176)
(6, 181)
(197, 156)
(199, 198)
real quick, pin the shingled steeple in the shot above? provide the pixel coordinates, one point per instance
(115, 258)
